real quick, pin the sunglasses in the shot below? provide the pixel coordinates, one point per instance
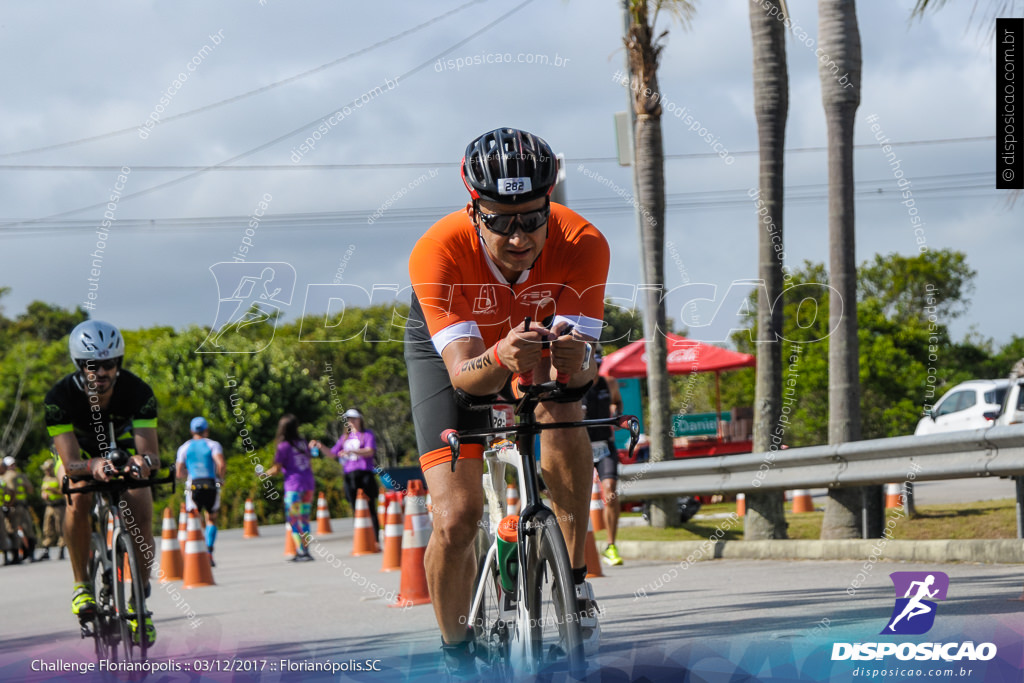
(94, 365)
(505, 224)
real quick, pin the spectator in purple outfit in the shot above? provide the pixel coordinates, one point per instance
(355, 451)
(292, 457)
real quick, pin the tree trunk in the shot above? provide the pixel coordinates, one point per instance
(839, 68)
(649, 167)
(765, 516)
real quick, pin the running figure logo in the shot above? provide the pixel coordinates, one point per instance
(248, 294)
(914, 612)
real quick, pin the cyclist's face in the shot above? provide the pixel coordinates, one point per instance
(99, 375)
(516, 252)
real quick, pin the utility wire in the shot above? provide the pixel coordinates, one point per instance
(434, 164)
(250, 93)
(964, 185)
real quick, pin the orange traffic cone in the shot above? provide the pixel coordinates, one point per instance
(323, 517)
(250, 527)
(512, 499)
(182, 526)
(802, 501)
(592, 558)
(110, 530)
(197, 560)
(363, 542)
(289, 541)
(597, 506)
(893, 496)
(741, 504)
(413, 587)
(171, 561)
(392, 538)
(382, 509)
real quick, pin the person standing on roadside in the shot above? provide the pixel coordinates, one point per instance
(356, 451)
(53, 519)
(21, 526)
(604, 400)
(292, 458)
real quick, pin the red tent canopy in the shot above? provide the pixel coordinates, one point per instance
(684, 356)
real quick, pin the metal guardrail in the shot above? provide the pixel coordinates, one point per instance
(995, 451)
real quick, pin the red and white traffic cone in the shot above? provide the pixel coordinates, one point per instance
(363, 540)
(323, 517)
(512, 499)
(413, 587)
(393, 532)
(250, 525)
(172, 564)
(197, 559)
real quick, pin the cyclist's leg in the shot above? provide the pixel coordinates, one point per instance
(139, 504)
(567, 467)
(78, 529)
(457, 497)
(450, 562)
(608, 472)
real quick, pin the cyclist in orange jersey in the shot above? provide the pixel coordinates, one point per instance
(510, 254)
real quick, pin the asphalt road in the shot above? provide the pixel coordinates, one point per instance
(776, 620)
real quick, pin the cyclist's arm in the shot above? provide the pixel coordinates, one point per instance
(480, 370)
(146, 444)
(616, 396)
(70, 453)
(180, 470)
(220, 465)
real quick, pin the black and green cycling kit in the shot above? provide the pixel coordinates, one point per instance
(69, 409)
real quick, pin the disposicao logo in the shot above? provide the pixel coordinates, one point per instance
(912, 615)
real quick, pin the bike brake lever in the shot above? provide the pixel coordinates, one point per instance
(452, 438)
(633, 425)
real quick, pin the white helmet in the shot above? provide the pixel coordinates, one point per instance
(95, 340)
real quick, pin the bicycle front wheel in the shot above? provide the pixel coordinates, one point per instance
(105, 629)
(554, 627)
(130, 587)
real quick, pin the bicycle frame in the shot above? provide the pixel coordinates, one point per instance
(107, 501)
(521, 456)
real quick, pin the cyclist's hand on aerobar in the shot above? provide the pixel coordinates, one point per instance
(138, 467)
(520, 351)
(567, 350)
(100, 469)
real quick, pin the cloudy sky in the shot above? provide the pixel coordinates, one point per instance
(74, 72)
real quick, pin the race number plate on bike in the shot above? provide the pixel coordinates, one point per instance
(502, 416)
(600, 450)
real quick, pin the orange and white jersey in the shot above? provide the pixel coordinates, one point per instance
(463, 294)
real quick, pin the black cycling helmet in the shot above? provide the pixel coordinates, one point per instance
(509, 166)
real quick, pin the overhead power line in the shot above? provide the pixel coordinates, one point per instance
(938, 188)
(434, 164)
(250, 93)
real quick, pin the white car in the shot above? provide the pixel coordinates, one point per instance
(965, 407)
(1012, 410)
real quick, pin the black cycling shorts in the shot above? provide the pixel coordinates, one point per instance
(203, 495)
(434, 408)
(608, 466)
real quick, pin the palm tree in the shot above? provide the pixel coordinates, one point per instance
(839, 39)
(643, 50)
(765, 514)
